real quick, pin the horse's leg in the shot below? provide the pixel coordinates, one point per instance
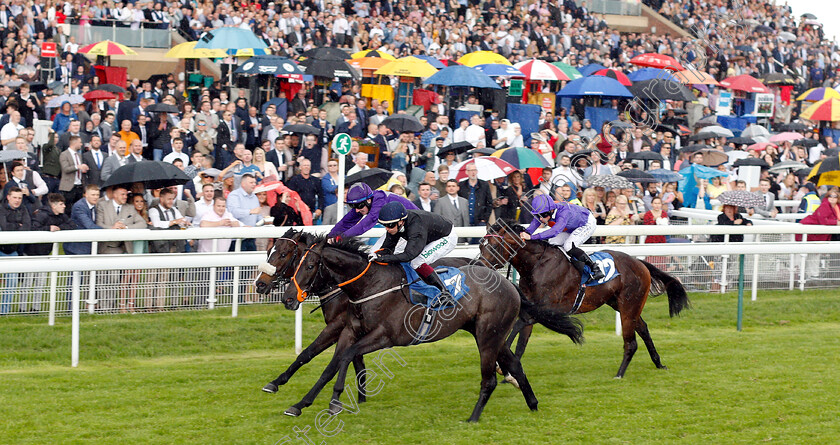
(328, 336)
(345, 340)
(373, 341)
(511, 364)
(642, 330)
(628, 332)
(524, 336)
(489, 342)
(359, 366)
(517, 327)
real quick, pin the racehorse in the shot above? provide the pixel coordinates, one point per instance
(280, 264)
(382, 317)
(549, 280)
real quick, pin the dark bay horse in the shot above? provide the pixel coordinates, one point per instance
(280, 265)
(381, 315)
(549, 280)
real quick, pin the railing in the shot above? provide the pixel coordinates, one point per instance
(617, 7)
(117, 31)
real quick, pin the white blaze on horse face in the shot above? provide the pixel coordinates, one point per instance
(267, 269)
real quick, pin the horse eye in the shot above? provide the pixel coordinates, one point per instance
(310, 267)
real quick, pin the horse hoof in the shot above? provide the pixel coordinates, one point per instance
(512, 381)
(362, 399)
(533, 408)
(270, 388)
(618, 377)
(663, 367)
(293, 412)
(336, 408)
(499, 370)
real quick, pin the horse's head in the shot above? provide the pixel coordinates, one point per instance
(501, 244)
(304, 276)
(280, 262)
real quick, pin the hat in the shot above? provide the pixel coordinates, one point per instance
(210, 172)
(229, 174)
(810, 187)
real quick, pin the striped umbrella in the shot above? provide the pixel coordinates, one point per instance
(656, 61)
(614, 74)
(536, 69)
(107, 48)
(569, 70)
(826, 172)
(818, 94)
(489, 168)
(824, 110)
(521, 157)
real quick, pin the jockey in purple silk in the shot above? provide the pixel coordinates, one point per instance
(365, 204)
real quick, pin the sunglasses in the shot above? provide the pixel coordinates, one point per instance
(358, 205)
(391, 225)
(545, 215)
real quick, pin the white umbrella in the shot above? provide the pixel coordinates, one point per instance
(489, 168)
(755, 130)
(717, 131)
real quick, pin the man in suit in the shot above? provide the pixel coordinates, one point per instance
(424, 201)
(74, 129)
(453, 207)
(83, 214)
(94, 159)
(73, 171)
(477, 194)
(227, 137)
(282, 159)
(768, 210)
(115, 159)
(116, 214)
(299, 103)
(143, 129)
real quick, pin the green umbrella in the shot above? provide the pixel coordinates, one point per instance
(521, 157)
(569, 70)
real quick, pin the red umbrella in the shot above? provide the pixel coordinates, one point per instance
(660, 61)
(761, 146)
(744, 82)
(98, 95)
(615, 74)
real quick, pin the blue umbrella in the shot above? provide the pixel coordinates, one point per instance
(273, 65)
(664, 175)
(498, 70)
(432, 61)
(591, 68)
(651, 73)
(462, 76)
(230, 39)
(594, 86)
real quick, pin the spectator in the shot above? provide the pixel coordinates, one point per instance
(424, 200)
(659, 217)
(329, 184)
(116, 159)
(768, 210)
(22, 178)
(360, 160)
(204, 204)
(50, 218)
(266, 170)
(94, 159)
(164, 216)
(730, 217)
(620, 215)
(245, 207)
(83, 215)
(452, 206)
(477, 194)
(309, 188)
(285, 214)
(827, 214)
(13, 218)
(73, 171)
(594, 205)
(219, 216)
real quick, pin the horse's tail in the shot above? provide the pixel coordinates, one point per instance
(661, 282)
(557, 321)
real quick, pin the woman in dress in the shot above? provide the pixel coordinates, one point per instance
(656, 216)
(620, 215)
(267, 169)
(132, 276)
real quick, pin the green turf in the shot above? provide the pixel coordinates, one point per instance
(195, 377)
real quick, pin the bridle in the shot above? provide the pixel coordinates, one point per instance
(493, 250)
(302, 293)
(278, 276)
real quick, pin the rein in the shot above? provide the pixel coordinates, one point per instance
(302, 293)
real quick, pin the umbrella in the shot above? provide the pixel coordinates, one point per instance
(326, 53)
(620, 124)
(777, 79)
(462, 76)
(162, 107)
(111, 88)
(826, 172)
(368, 63)
(458, 148)
(712, 157)
(764, 29)
(499, 70)
(745, 48)
(11, 155)
(55, 86)
(741, 140)
(716, 131)
(644, 156)
(609, 182)
(595, 86)
(569, 70)
(407, 67)
(35, 87)
(657, 61)
(153, 174)
(268, 186)
(482, 58)
(760, 146)
(521, 157)
(786, 36)
(373, 177)
(301, 128)
(107, 48)
(744, 82)
(432, 61)
(98, 95)
(740, 198)
(663, 175)
(786, 136)
(818, 94)
(614, 74)
(824, 110)
(809, 16)
(656, 89)
(187, 50)
(328, 68)
(591, 68)
(755, 130)
(251, 52)
(483, 151)
(651, 73)
(794, 126)
(536, 69)
(372, 53)
(230, 39)
(403, 123)
(489, 168)
(787, 165)
(56, 102)
(636, 175)
(753, 162)
(831, 152)
(808, 143)
(272, 65)
(693, 148)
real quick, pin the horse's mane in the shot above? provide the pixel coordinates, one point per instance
(350, 245)
(514, 226)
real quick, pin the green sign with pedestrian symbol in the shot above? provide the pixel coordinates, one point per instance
(341, 144)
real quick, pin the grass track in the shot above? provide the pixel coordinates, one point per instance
(194, 377)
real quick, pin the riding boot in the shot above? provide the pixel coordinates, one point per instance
(578, 264)
(445, 297)
(597, 273)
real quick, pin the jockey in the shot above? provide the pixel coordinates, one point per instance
(569, 226)
(428, 237)
(366, 204)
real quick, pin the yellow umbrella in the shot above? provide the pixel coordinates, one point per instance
(368, 63)
(187, 50)
(827, 110)
(107, 48)
(407, 67)
(483, 57)
(372, 53)
(251, 52)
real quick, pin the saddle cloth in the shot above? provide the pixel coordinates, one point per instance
(607, 264)
(453, 278)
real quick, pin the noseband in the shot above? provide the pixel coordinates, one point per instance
(277, 277)
(302, 293)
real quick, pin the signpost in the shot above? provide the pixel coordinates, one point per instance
(341, 146)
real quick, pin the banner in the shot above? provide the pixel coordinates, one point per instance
(724, 107)
(764, 105)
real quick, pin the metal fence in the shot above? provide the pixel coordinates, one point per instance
(143, 37)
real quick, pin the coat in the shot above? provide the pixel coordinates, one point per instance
(106, 217)
(42, 219)
(68, 171)
(82, 219)
(483, 200)
(823, 216)
(459, 217)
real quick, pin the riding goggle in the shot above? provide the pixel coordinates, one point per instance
(545, 215)
(358, 205)
(391, 225)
